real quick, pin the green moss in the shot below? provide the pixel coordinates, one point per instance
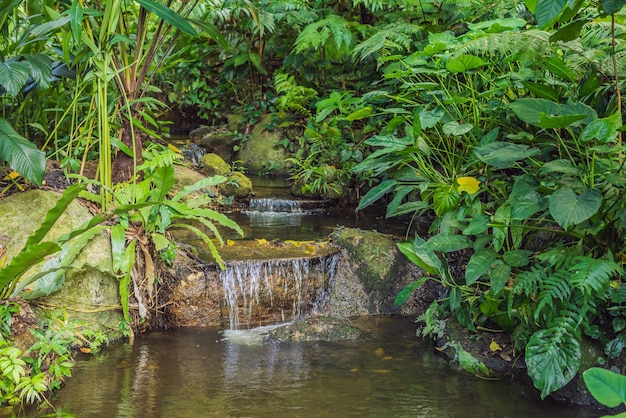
(262, 152)
(375, 254)
(237, 185)
(214, 165)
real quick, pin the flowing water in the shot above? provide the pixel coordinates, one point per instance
(207, 372)
(388, 372)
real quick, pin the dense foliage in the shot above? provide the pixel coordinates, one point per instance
(504, 124)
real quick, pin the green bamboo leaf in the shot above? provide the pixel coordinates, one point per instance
(408, 290)
(76, 21)
(569, 32)
(212, 32)
(478, 264)
(607, 387)
(205, 238)
(21, 154)
(169, 16)
(569, 208)
(376, 193)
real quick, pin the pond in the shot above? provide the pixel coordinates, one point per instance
(387, 372)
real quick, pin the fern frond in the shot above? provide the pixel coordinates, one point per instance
(554, 288)
(158, 157)
(592, 276)
(315, 35)
(393, 38)
(533, 43)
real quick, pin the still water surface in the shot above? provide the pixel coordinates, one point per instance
(388, 372)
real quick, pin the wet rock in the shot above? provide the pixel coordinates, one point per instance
(316, 329)
(89, 294)
(262, 152)
(371, 274)
(213, 164)
(185, 176)
(237, 185)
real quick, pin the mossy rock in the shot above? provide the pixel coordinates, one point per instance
(237, 185)
(214, 165)
(375, 254)
(89, 294)
(262, 153)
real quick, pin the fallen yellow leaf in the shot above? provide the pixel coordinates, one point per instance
(85, 350)
(230, 242)
(379, 352)
(12, 175)
(173, 148)
(262, 241)
(494, 346)
(468, 184)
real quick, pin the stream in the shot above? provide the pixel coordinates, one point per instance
(387, 372)
(209, 372)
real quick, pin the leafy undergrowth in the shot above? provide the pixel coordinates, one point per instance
(36, 358)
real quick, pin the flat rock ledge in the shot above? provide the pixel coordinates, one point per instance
(320, 328)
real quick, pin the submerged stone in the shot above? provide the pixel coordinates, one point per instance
(316, 329)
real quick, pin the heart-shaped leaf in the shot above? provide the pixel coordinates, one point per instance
(569, 208)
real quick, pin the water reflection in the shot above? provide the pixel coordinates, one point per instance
(199, 373)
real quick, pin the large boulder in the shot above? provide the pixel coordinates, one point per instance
(237, 185)
(217, 141)
(90, 294)
(262, 153)
(370, 275)
(213, 165)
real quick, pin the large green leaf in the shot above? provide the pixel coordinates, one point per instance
(548, 11)
(423, 257)
(212, 31)
(40, 69)
(603, 130)
(569, 208)
(408, 290)
(529, 110)
(612, 6)
(553, 358)
(503, 154)
(22, 155)
(609, 388)
(478, 264)
(445, 198)
(25, 260)
(169, 16)
(462, 63)
(558, 121)
(13, 76)
(454, 128)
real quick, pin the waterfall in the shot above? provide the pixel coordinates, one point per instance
(275, 205)
(270, 291)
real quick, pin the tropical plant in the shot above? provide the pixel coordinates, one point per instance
(607, 387)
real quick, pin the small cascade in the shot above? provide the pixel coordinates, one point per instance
(270, 291)
(193, 152)
(275, 205)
